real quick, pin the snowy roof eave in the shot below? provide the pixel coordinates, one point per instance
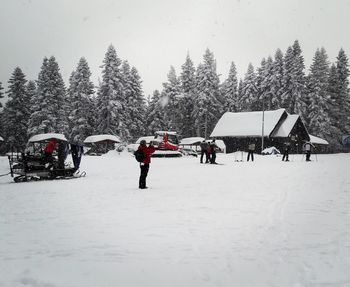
(102, 138)
(191, 141)
(317, 140)
(47, 136)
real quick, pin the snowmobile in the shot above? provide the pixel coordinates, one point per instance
(166, 144)
(33, 165)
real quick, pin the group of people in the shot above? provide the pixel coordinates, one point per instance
(307, 146)
(62, 149)
(209, 149)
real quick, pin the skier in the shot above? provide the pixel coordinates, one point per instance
(213, 148)
(251, 149)
(144, 165)
(204, 151)
(307, 149)
(286, 151)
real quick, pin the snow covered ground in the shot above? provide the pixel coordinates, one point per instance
(267, 223)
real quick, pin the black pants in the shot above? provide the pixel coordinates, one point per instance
(250, 153)
(144, 171)
(285, 155)
(308, 154)
(213, 157)
(204, 152)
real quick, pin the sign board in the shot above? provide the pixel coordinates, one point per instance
(346, 140)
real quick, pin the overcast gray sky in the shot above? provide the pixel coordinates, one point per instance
(152, 35)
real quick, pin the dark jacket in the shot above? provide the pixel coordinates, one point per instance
(287, 146)
(204, 146)
(213, 147)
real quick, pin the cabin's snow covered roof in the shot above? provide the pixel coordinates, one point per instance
(286, 127)
(247, 123)
(148, 139)
(191, 141)
(100, 138)
(317, 140)
(48, 136)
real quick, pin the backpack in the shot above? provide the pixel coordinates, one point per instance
(139, 155)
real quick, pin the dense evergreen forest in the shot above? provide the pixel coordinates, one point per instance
(190, 102)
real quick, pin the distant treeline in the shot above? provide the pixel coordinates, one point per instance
(190, 103)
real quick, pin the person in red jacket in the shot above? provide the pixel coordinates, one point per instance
(144, 165)
(50, 147)
(48, 151)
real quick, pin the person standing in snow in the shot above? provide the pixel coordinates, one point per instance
(204, 151)
(144, 165)
(213, 148)
(209, 152)
(307, 149)
(61, 154)
(286, 151)
(251, 149)
(77, 152)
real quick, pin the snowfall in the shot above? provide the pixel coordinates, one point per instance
(261, 223)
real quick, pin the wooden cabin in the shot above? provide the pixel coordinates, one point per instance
(238, 130)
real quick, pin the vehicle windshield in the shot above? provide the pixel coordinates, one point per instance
(173, 138)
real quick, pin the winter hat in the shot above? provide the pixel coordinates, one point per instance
(143, 142)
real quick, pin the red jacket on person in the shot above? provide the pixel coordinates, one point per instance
(147, 151)
(50, 147)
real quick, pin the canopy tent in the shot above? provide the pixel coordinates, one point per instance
(102, 138)
(191, 141)
(190, 145)
(47, 137)
(100, 144)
